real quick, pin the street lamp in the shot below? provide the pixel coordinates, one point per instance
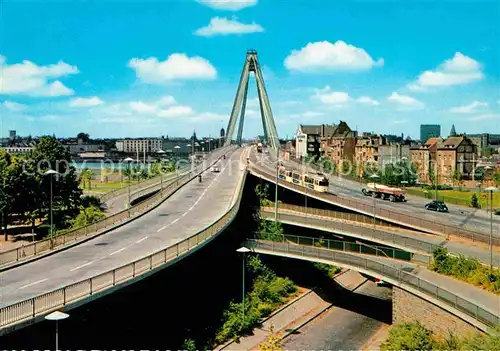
(57, 316)
(128, 160)
(491, 189)
(177, 147)
(374, 176)
(243, 250)
(161, 153)
(50, 172)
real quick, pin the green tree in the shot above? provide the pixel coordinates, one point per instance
(496, 178)
(189, 345)
(88, 215)
(474, 201)
(457, 177)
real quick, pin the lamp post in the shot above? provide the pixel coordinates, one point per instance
(128, 160)
(243, 250)
(57, 316)
(51, 172)
(161, 153)
(374, 176)
(491, 189)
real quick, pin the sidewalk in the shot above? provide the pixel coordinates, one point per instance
(300, 310)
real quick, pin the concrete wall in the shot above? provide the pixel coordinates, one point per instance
(408, 308)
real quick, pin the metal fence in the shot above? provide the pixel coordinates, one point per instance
(401, 277)
(377, 233)
(59, 298)
(383, 213)
(73, 235)
(347, 246)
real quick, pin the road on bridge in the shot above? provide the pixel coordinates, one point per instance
(191, 209)
(467, 218)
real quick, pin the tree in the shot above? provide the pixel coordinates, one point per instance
(189, 345)
(88, 215)
(84, 136)
(496, 178)
(457, 176)
(474, 201)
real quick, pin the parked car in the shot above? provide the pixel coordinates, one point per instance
(436, 205)
(215, 169)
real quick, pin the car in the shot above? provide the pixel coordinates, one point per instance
(215, 169)
(436, 205)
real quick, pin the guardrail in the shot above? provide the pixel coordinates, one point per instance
(59, 298)
(347, 246)
(383, 213)
(398, 276)
(62, 239)
(352, 228)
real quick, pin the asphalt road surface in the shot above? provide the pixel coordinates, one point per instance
(464, 217)
(340, 329)
(191, 209)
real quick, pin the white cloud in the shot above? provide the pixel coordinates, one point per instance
(224, 26)
(208, 116)
(312, 114)
(86, 102)
(469, 108)
(231, 5)
(176, 111)
(367, 100)
(27, 78)
(340, 98)
(406, 102)
(175, 67)
(152, 106)
(323, 55)
(458, 70)
(485, 116)
(13, 106)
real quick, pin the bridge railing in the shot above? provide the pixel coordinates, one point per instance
(383, 213)
(66, 237)
(347, 246)
(386, 272)
(44, 303)
(377, 233)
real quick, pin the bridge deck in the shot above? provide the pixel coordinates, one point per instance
(191, 209)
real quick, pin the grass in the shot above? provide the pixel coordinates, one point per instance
(457, 197)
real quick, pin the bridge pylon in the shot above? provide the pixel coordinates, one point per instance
(239, 106)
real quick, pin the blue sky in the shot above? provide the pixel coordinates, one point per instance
(152, 68)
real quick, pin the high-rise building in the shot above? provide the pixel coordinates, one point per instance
(12, 135)
(429, 131)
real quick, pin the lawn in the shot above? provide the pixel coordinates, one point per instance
(457, 197)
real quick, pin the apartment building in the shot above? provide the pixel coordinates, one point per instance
(455, 153)
(308, 139)
(366, 152)
(340, 145)
(392, 153)
(139, 145)
(423, 156)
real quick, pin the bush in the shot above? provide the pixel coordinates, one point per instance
(326, 269)
(409, 337)
(497, 211)
(466, 269)
(87, 216)
(474, 202)
(268, 293)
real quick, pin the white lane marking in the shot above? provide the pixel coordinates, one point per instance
(140, 240)
(34, 283)
(115, 252)
(83, 265)
(197, 201)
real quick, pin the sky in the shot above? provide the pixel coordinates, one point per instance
(153, 68)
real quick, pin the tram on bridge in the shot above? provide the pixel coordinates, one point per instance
(314, 181)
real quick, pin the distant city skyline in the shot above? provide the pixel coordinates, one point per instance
(152, 69)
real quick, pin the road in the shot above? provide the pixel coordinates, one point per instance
(339, 328)
(120, 202)
(191, 209)
(457, 247)
(467, 218)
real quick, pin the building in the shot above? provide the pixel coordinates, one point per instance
(429, 131)
(12, 135)
(366, 152)
(392, 153)
(139, 145)
(423, 157)
(455, 154)
(340, 145)
(308, 139)
(80, 146)
(17, 149)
